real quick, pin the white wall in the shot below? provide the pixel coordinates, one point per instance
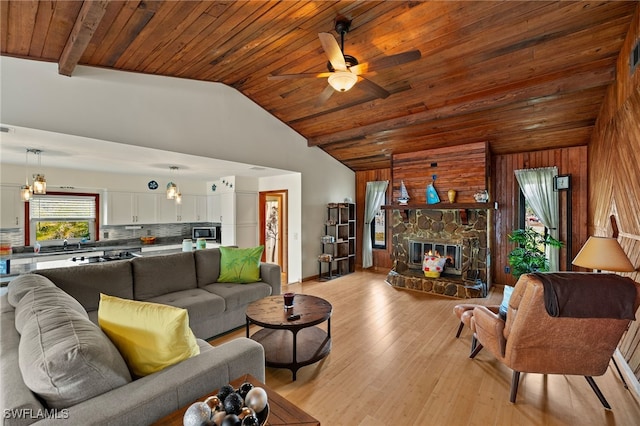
(192, 117)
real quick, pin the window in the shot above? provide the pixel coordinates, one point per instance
(54, 218)
(528, 218)
(378, 230)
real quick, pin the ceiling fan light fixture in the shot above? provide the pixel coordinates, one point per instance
(342, 81)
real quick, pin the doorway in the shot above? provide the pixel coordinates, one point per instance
(273, 228)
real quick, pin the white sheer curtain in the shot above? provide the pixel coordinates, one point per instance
(537, 187)
(374, 198)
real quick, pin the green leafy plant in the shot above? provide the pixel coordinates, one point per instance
(530, 256)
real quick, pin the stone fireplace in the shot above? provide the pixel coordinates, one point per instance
(460, 235)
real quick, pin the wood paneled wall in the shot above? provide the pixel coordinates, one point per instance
(464, 168)
(505, 190)
(614, 173)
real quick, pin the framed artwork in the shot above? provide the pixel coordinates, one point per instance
(379, 230)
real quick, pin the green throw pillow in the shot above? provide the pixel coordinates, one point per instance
(240, 265)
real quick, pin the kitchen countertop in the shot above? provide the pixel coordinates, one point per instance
(22, 263)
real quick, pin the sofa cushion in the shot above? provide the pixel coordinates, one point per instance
(207, 266)
(201, 304)
(240, 265)
(86, 282)
(157, 275)
(63, 357)
(236, 295)
(21, 285)
(150, 336)
(42, 299)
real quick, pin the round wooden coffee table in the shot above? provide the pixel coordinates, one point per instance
(291, 344)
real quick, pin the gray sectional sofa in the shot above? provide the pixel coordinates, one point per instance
(185, 280)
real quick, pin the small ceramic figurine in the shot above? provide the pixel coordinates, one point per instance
(482, 196)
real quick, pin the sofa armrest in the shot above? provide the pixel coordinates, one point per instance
(270, 273)
(489, 330)
(150, 398)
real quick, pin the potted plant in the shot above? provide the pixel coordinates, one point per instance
(530, 255)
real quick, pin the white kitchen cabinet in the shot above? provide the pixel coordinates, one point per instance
(192, 209)
(213, 208)
(237, 212)
(11, 207)
(167, 210)
(125, 208)
(201, 208)
(222, 208)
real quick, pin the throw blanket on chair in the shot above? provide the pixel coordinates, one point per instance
(588, 295)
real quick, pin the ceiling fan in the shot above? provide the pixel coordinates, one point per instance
(345, 70)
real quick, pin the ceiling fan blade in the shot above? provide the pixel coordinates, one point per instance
(324, 96)
(387, 61)
(304, 75)
(332, 49)
(373, 88)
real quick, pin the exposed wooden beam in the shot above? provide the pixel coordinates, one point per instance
(90, 16)
(578, 78)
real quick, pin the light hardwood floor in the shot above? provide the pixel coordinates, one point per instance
(395, 361)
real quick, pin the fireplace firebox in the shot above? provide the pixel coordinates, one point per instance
(452, 251)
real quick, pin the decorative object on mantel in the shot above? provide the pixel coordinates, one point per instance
(452, 195)
(481, 197)
(404, 195)
(432, 195)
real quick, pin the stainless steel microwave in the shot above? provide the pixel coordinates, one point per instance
(208, 233)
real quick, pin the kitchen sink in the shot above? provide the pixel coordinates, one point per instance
(69, 250)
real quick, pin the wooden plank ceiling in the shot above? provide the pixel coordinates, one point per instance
(524, 76)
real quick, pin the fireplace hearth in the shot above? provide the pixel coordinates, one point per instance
(459, 236)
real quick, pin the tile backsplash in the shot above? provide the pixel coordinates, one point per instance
(119, 232)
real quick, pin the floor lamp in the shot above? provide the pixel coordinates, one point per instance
(604, 253)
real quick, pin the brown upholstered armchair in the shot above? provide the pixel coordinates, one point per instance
(533, 341)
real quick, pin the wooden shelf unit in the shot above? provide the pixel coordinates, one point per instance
(341, 225)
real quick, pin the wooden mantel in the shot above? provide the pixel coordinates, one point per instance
(439, 206)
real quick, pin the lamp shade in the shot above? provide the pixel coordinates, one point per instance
(342, 80)
(605, 254)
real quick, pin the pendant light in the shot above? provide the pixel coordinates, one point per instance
(39, 182)
(172, 188)
(25, 190)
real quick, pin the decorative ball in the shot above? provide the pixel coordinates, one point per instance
(218, 417)
(225, 391)
(231, 420)
(233, 403)
(244, 389)
(246, 411)
(198, 414)
(250, 421)
(256, 399)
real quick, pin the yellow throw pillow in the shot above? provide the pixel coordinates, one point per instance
(149, 336)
